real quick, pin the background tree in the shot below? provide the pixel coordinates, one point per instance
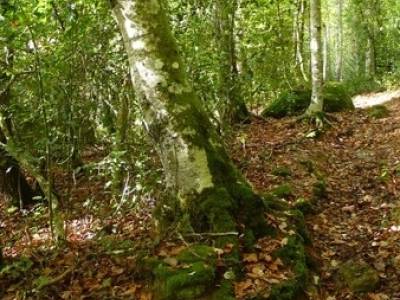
(233, 109)
(317, 100)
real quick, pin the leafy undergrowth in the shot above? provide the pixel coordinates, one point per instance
(347, 179)
(344, 179)
(111, 252)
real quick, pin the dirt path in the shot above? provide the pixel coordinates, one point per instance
(368, 100)
(359, 219)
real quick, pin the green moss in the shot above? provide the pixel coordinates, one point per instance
(283, 191)
(359, 276)
(224, 292)
(293, 254)
(297, 218)
(336, 98)
(395, 215)
(287, 290)
(304, 205)
(288, 103)
(378, 112)
(213, 211)
(190, 282)
(319, 189)
(282, 172)
(308, 165)
(295, 102)
(197, 253)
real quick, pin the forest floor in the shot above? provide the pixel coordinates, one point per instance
(357, 219)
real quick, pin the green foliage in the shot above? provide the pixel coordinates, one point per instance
(16, 269)
(282, 171)
(283, 191)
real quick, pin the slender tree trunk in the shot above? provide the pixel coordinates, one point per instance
(207, 192)
(234, 109)
(299, 37)
(326, 63)
(370, 65)
(317, 101)
(339, 40)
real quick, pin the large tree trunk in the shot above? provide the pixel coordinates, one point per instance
(207, 191)
(317, 101)
(233, 108)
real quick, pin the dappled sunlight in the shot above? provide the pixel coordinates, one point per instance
(372, 99)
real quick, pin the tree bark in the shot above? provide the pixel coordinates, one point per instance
(317, 101)
(299, 37)
(233, 108)
(370, 65)
(206, 189)
(339, 40)
(326, 62)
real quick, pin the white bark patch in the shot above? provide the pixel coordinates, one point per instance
(138, 45)
(148, 75)
(193, 171)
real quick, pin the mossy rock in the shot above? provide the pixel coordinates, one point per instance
(183, 283)
(320, 189)
(336, 98)
(306, 206)
(282, 172)
(289, 103)
(190, 277)
(295, 102)
(283, 191)
(359, 276)
(224, 292)
(378, 112)
(293, 254)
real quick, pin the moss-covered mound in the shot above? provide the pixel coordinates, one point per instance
(189, 277)
(358, 276)
(378, 112)
(295, 102)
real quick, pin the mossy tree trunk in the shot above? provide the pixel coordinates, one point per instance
(317, 101)
(233, 109)
(207, 191)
